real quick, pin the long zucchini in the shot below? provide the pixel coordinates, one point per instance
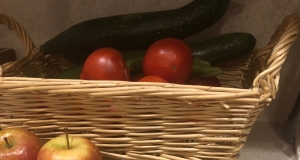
(135, 31)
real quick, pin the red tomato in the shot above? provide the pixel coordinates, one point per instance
(170, 59)
(204, 81)
(105, 64)
(152, 79)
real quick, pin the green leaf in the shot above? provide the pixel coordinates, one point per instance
(203, 68)
(73, 73)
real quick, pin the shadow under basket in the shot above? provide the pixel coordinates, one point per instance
(135, 120)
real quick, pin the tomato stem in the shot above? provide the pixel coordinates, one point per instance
(6, 141)
(67, 136)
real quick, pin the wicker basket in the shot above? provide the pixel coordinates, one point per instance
(134, 120)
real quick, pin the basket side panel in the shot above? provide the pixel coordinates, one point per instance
(137, 124)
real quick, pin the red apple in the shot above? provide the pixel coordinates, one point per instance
(19, 144)
(69, 147)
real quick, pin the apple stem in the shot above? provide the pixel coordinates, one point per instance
(67, 136)
(6, 141)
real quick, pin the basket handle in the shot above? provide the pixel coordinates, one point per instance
(16, 27)
(274, 54)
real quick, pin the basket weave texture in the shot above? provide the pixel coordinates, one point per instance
(134, 120)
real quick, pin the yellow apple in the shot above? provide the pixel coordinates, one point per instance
(78, 148)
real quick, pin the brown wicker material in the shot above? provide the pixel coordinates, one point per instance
(135, 120)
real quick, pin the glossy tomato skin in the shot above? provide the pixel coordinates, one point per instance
(170, 59)
(105, 64)
(152, 79)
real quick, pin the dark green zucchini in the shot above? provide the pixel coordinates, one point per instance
(214, 51)
(224, 47)
(135, 31)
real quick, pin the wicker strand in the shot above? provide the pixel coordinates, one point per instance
(32, 64)
(16, 27)
(276, 52)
